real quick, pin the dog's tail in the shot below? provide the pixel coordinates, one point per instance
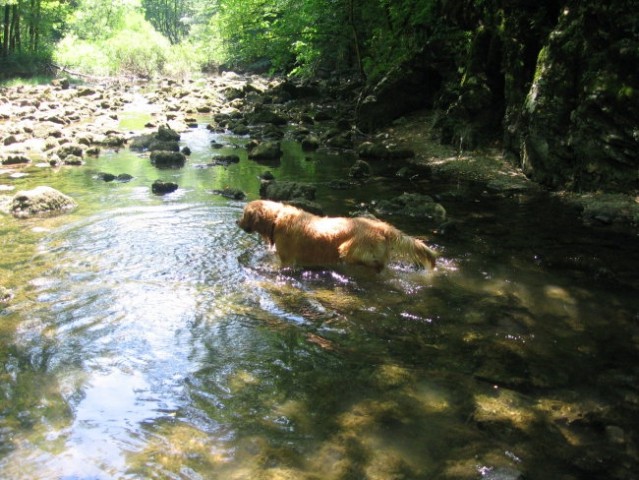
(413, 250)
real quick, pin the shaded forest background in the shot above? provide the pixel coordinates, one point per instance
(555, 84)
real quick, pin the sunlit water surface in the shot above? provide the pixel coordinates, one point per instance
(150, 338)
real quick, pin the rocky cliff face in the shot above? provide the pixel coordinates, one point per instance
(580, 118)
(556, 83)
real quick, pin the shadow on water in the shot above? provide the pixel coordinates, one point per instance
(150, 338)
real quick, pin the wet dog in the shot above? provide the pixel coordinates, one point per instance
(303, 239)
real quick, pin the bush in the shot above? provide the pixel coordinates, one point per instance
(137, 53)
(26, 65)
(73, 53)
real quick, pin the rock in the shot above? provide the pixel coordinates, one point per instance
(41, 200)
(271, 132)
(164, 139)
(57, 120)
(373, 151)
(501, 473)
(75, 150)
(233, 93)
(107, 177)
(167, 134)
(305, 204)
(239, 129)
(360, 170)
(124, 177)
(284, 191)
(113, 140)
(160, 188)
(141, 142)
(164, 159)
(165, 145)
(580, 131)
(73, 160)
(10, 140)
(265, 151)
(232, 193)
(85, 92)
(186, 151)
(225, 160)
(413, 205)
(266, 116)
(342, 140)
(268, 175)
(16, 160)
(310, 143)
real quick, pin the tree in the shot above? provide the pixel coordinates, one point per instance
(30, 27)
(170, 17)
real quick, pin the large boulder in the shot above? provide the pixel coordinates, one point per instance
(41, 200)
(578, 127)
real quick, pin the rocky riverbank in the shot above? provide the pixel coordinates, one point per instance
(58, 125)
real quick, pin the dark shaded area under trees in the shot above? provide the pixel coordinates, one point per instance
(553, 83)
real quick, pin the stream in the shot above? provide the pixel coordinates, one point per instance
(149, 337)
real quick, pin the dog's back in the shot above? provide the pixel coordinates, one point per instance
(301, 238)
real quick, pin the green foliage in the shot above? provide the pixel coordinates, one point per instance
(170, 17)
(27, 33)
(132, 47)
(308, 36)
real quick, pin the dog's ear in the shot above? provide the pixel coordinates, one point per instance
(262, 219)
(259, 218)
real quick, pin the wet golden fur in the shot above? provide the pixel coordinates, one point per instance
(301, 238)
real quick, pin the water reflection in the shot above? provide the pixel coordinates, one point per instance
(154, 339)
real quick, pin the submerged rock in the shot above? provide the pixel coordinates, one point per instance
(264, 150)
(165, 159)
(286, 191)
(41, 200)
(224, 160)
(232, 193)
(360, 170)
(413, 205)
(310, 143)
(160, 188)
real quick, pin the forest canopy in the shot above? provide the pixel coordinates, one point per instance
(143, 37)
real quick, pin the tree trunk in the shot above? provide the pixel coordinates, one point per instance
(358, 54)
(6, 31)
(14, 41)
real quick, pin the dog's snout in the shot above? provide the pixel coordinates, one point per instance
(243, 225)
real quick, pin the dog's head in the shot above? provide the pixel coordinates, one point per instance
(260, 216)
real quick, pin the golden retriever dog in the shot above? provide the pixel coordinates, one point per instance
(303, 239)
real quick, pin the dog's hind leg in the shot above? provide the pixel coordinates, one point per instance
(370, 254)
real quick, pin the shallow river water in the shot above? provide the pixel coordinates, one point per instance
(149, 337)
